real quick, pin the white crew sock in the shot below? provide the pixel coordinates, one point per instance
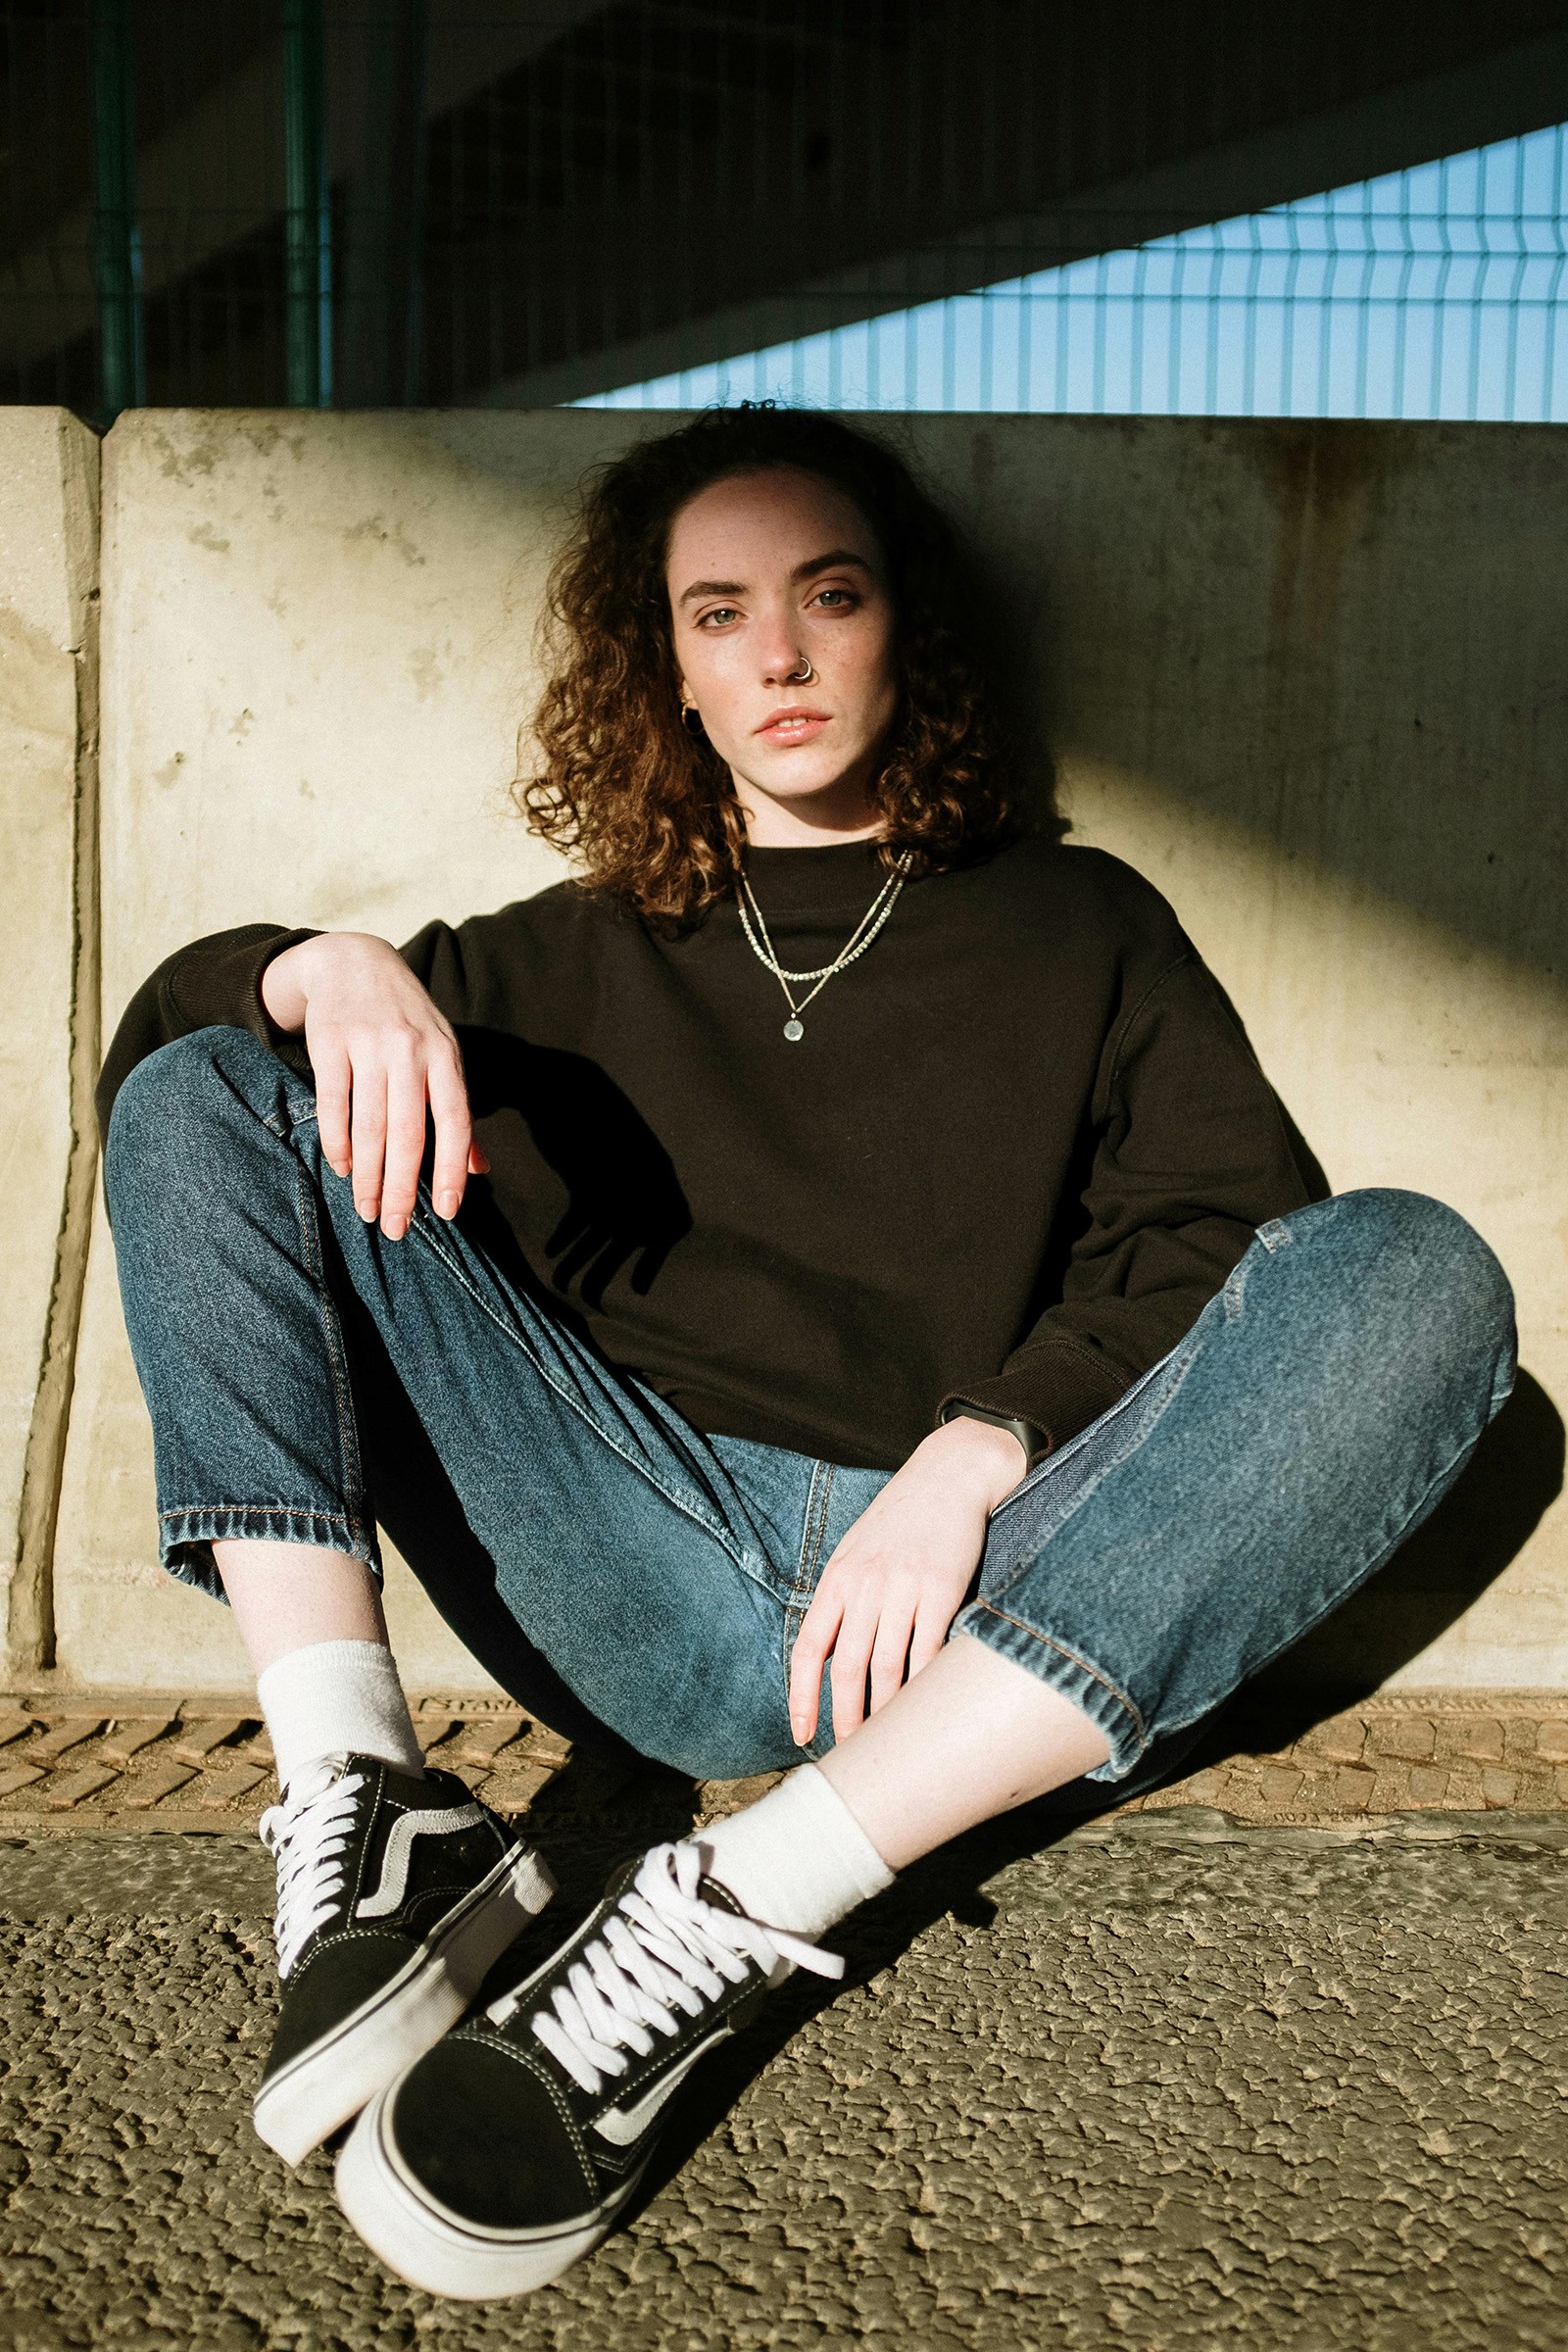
(796, 1859)
(337, 1698)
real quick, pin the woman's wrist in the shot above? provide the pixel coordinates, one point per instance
(988, 1460)
(282, 988)
(291, 979)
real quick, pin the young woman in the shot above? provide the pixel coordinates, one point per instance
(831, 1281)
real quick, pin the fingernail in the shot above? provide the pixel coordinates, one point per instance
(447, 1205)
(366, 1210)
(395, 1228)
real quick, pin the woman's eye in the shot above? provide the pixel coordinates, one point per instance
(720, 612)
(834, 598)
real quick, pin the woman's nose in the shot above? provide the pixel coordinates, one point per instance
(782, 657)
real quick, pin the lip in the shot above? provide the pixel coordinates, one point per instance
(799, 717)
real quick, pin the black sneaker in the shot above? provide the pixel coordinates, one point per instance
(507, 2150)
(394, 1898)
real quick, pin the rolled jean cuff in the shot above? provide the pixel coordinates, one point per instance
(1091, 1690)
(187, 1536)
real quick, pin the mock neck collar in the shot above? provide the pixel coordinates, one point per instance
(840, 876)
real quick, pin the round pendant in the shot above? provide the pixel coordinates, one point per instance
(794, 1030)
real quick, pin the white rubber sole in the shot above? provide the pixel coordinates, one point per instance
(327, 2083)
(434, 2249)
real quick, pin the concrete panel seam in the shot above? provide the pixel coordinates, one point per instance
(30, 1617)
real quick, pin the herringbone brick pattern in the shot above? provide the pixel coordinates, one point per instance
(102, 1761)
(1428, 1753)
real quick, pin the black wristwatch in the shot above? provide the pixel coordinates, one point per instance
(1035, 1443)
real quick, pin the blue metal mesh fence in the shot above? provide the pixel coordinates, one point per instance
(1437, 292)
(394, 202)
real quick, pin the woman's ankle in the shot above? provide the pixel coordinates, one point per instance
(337, 1698)
(286, 1596)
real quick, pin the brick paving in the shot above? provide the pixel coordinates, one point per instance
(137, 1761)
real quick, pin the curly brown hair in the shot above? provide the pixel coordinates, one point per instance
(650, 810)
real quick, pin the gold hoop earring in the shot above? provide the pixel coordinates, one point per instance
(691, 718)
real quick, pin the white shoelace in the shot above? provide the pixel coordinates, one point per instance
(662, 1950)
(306, 1835)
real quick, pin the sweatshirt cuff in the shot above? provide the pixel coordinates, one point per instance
(222, 987)
(1061, 1390)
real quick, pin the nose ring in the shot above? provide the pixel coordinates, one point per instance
(804, 675)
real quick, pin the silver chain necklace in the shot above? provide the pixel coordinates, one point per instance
(870, 923)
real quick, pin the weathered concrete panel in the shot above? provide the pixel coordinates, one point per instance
(1308, 679)
(48, 621)
(317, 652)
(1301, 675)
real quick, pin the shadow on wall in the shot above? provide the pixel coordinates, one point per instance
(624, 1205)
(1342, 642)
(1369, 680)
(1483, 1522)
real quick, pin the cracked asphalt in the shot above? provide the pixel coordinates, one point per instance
(1168, 2083)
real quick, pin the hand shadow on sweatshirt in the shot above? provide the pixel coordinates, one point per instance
(624, 1202)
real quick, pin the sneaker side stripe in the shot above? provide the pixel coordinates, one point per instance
(621, 2126)
(400, 1853)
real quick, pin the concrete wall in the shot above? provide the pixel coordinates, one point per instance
(1308, 679)
(316, 648)
(1303, 676)
(48, 1043)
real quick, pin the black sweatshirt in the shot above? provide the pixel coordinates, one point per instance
(1021, 1143)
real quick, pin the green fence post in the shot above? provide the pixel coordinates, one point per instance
(115, 237)
(308, 222)
(383, 223)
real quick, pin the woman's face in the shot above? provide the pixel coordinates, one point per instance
(784, 638)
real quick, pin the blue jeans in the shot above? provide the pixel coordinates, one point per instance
(305, 1376)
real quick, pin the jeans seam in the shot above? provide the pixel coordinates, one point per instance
(1176, 1368)
(812, 1529)
(350, 1467)
(1095, 1673)
(305, 1115)
(1061, 1454)
(716, 1528)
(263, 1510)
(824, 1494)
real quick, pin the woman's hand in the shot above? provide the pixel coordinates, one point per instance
(894, 1586)
(381, 1052)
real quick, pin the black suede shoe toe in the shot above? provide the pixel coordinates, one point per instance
(396, 1895)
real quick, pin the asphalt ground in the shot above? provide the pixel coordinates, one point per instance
(1168, 2082)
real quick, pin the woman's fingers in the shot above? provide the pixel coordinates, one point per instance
(454, 1132)
(406, 1098)
(333, 1093)
(372, 1110)
(383, 1058)
(889, 1651)
(368, 1136)
(851, 1660)
(818, 1629)
(931, 1629)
